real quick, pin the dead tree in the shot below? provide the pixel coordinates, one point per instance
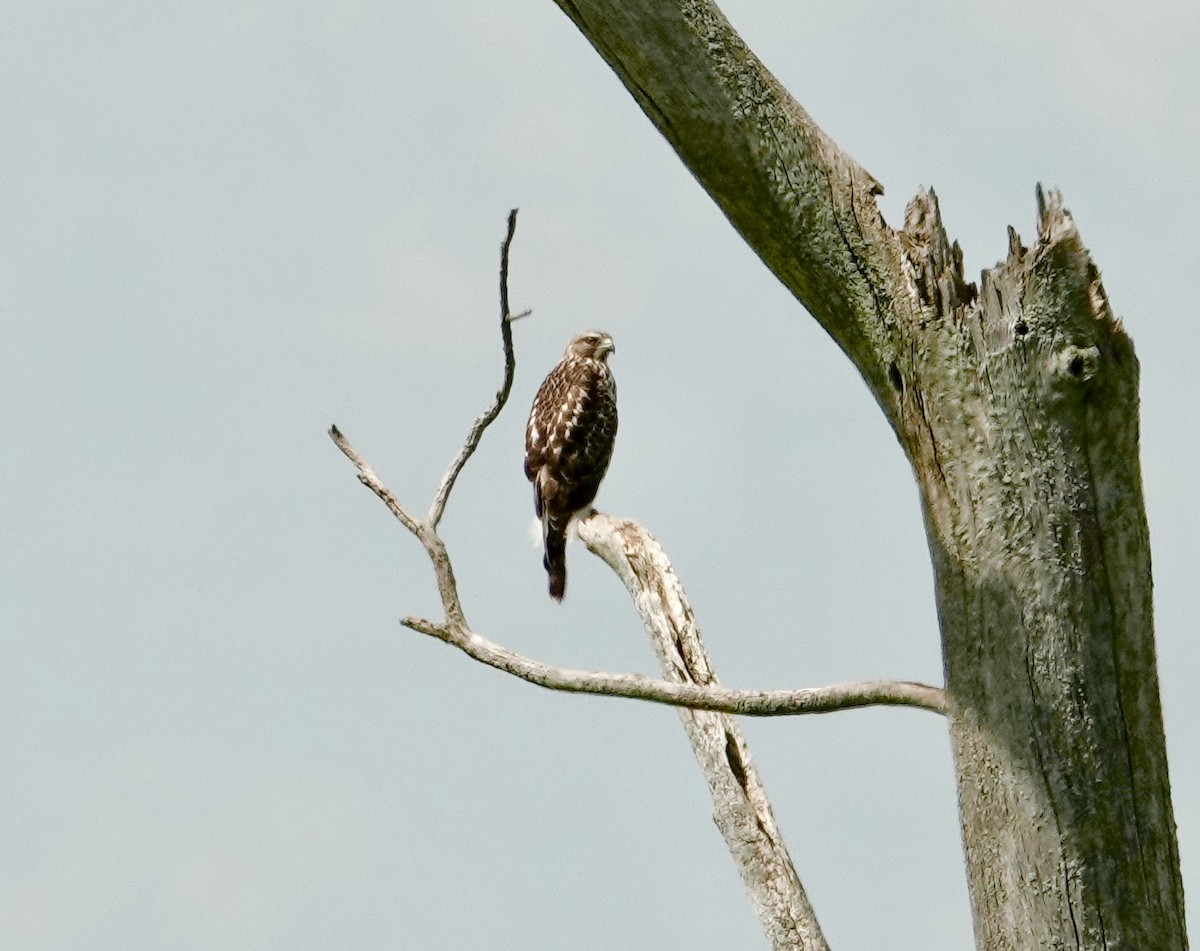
(1016, 404)
(740, 806)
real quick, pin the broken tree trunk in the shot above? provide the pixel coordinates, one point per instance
(1016, 404)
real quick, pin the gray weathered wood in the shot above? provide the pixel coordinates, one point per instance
(1017, 406)
(741, 809)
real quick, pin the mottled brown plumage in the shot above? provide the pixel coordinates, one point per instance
(568, 443)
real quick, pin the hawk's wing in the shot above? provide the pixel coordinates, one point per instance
(568, 444)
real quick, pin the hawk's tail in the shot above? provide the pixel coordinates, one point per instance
(555, 558)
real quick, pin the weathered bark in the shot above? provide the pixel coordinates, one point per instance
(1017, 407)
(1023, 432)
(741, 809)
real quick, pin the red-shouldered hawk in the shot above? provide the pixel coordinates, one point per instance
(568, 443)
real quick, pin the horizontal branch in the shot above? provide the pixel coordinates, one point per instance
(754, 703)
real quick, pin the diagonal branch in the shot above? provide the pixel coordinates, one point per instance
(367, 476)
(426, 531)
(489, 415)
(802, 204)
(741, 809)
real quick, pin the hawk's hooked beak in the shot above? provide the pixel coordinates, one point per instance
(608, 346)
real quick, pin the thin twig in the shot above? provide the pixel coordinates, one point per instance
(488, 416)
(367, 476)
(753, 703)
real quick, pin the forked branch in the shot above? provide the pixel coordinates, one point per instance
(608, 538)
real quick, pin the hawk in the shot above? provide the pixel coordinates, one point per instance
(568, 443)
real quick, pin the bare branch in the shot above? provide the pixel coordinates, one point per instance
(426, 531)
(367, 476)
(697, 696)
(489, 415)
(741, 809)
(444, 572)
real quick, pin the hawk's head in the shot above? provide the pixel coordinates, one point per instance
(591, 345)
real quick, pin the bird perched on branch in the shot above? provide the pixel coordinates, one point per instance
(568, 443)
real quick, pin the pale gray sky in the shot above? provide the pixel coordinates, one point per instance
(225, 226)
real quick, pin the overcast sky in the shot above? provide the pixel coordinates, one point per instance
(225, 226)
